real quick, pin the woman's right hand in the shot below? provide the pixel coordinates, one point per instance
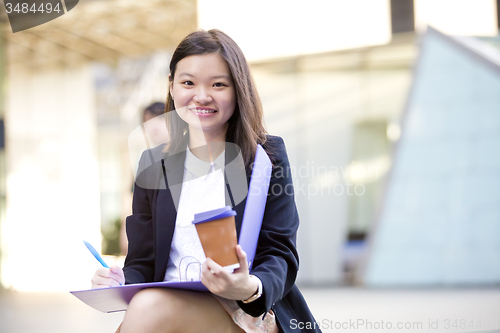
(108, 277)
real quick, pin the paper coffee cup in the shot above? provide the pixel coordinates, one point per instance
(218, 239)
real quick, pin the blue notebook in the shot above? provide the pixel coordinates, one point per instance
(115, 299)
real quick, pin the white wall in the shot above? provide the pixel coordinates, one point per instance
(52, 180)
(267, 29)
(457, 17)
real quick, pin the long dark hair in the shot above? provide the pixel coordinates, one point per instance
(245, 127)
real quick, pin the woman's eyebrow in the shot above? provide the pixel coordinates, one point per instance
(223, 76)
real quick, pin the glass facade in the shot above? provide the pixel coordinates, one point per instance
(440, 221)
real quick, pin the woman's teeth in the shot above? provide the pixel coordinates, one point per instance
(205, 111)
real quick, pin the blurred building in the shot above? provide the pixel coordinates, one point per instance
(440, 218)
(334, 77)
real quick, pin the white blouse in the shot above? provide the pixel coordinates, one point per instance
(202, 190)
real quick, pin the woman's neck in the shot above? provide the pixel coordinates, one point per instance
(205, 145)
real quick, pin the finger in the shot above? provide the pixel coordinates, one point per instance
(204, 268)
(242, 257)
(212, 267)
(97, 279)
(106, 273)
(119, 272)
(101, 286)
(207, 277)
(115, 269)
(114, 283)
(212, 287)
(116, 278)
(216, 276)
(102, 271)
(207, 272)
(100, 275)
(214, 283)
(218, 272)
(115, 273)
(101, 282)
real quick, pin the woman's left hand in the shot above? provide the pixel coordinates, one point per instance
(237, 285)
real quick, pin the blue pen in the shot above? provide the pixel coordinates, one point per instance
(96, 255)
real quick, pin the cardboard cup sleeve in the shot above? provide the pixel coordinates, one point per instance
(218, 239)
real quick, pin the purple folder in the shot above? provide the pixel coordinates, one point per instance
(256, 204)
(115, 299)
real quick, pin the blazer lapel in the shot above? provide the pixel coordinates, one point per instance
(167, 203)
(174, 169)
(237, 180)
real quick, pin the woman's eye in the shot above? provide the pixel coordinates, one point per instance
(187, 83)
(219, 84)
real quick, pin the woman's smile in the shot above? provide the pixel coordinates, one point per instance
(203, 111)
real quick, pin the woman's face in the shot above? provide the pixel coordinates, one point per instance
(203, 92)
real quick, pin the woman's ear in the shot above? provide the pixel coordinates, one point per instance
(170, 86)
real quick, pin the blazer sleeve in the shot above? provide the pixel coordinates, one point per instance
(276, 261)
(139, 263)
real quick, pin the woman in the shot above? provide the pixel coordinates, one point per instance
(218, 118)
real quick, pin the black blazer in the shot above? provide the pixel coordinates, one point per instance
(150, 230)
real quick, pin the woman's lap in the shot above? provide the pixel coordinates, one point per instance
(168, 310)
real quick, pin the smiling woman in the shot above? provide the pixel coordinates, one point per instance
(244, 126)
(214, 107)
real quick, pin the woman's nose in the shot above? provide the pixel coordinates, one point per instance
(202, 97)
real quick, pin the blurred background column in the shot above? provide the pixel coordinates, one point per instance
(3, 187)
(53, 187)
(76, 87)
